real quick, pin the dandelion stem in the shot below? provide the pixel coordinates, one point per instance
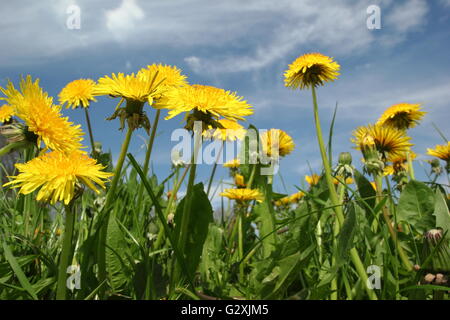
(91, 135)
(61, 290)
(334, 198)
(109, 199)
(392, 231)
(410, 166)
(147, 156)
(213, 172)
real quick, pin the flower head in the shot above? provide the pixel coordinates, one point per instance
(168, 77)
(44, 119)
(441, 151)
(131, 87)
(239, 181)
(311, 70)
(230, 131)
(207, 101)
(6, 112)
(399, 163)
(401, 116)
(389, 142)
(233, 164)
(57, 173)
(276, 139)
(242, 194)
(78, 93)
(312, 179)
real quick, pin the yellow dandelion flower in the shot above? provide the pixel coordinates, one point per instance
(390, 142)
(276, 139)
(338, 180)
(207, 100)
(232, 164)
(130, 87)
(78, 93)
(239, 181)
(402, 116)
(313, 179)
(6, 112)
(44, 119)
(230, 131)
(243, 194)
(168, 77)
(56, 175)
(441, 151)
(399, 163)
(291, 199)
(311, 70)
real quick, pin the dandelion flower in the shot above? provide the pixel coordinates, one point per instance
(441, 151)
(311, 70)
(293, 198)
(135, 88)
(313, 179)
(242, 194)
(44, 119)
(6, 112)
(230, 131)
(207, 101)
(78, 93)
(232, 164)
(276, 139)
(338, 180)
(239, 181)
(390, 142)
(57, 173)
(402, 116)
(399, 163)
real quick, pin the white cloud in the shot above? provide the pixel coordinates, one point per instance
(125, 19)
(261, 31)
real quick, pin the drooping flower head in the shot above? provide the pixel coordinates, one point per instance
(56, 174)
(6, 112)
(206, 102)
(441, 151)
(401, 116)
(276, 139)
(36, 109)
(242, 194)
(388, 141)
(230, 131)
(78, 93)
(311, 70)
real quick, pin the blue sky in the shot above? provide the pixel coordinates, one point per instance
(244, 46)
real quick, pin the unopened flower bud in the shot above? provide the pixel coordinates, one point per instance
(345, 158)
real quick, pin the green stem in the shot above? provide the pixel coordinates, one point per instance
(241, 245)
(147, 156)
(410, 166)
(186, 215)
(66, 252)
(334, 198)
(213, 172)
(379, 183)
(109, 199)
(91, 135)
(334, 282)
